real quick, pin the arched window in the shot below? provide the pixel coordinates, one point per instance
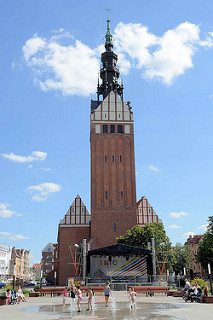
(114, 227)
(121, 195)
(106, 195)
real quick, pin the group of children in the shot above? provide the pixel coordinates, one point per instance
(76, 292)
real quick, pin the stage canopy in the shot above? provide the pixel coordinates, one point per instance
(118, 250)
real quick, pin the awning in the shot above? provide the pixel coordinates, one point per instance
(118, 250)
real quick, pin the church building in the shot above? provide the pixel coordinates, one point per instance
(113, 187)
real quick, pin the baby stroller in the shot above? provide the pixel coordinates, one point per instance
(14, 297)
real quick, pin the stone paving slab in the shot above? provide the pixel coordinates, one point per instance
(159, 307)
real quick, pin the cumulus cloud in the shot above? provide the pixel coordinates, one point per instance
(177, 214)
(43, 190)
(72, 69)
(174, 226)
(35, 156)
(203, 227)
(19, 237)
(163, 58)
(188, 234)
(7, 213)
(69, 69)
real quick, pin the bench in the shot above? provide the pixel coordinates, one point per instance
(3, 301)
(59, 290)
(149, 290)
(208, 299)
(34, 294)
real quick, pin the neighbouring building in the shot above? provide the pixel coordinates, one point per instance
(146, 213)
(47, 261)
(193, 243)
(36, 271)
(20, 264)
(5, 256)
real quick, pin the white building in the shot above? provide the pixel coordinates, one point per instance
(5, 256)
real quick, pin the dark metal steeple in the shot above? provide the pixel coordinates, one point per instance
(109, 73)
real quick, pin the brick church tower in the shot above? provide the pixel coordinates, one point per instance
(113, 190)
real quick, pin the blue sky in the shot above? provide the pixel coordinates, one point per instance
(50, 56)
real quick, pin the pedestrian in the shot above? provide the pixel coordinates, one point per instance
(132, 295)
(8, 295)
(20, 295)
(79, 295)
(90, 295)
(64, 295)
(107, 293)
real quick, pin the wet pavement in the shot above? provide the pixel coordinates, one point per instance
(158, 307)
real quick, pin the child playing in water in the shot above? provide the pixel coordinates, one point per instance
(90, 295)
(64, 295)
(132, 295)
(79, 295)
(107, 292)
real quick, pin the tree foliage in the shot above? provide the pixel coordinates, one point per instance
(205, 249)
(139, 236)
(179, 258)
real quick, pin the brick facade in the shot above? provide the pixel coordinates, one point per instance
(146, 213)
(73, 228)
(113, 191)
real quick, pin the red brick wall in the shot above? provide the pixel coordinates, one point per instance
(68, 236)
(112, 177)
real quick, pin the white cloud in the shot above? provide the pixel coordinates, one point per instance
(35, 156)
(5, 233)
(32, 46)
(30, 166)
(43, 190)
(6, 213)
(174, 226)
(70, 69)
(163, 58)
(153, 169)
(203, 227)
(177, 214)
(45, 169)
(187, 234)
(19, 237)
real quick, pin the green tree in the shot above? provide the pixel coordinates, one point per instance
(180, 257)
(139, 236)
(205, 249)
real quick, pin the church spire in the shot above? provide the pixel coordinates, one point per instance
(109, 72)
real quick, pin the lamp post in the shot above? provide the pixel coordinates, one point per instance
(153, 259)
(55, 278)
(41, 278)
(210, 276)
(14, 275)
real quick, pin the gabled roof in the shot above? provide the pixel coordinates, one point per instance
(118, 249)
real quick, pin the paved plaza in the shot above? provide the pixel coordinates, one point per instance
(159, 307)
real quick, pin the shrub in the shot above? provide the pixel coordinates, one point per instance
(200, 282)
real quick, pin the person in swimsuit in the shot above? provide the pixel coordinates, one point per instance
(107, 292)
(79, 295)
(90, 295)
(64, 295)
(132, 295)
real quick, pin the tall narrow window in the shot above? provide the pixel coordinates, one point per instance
(120, 128)
(114, 227)
(113, 159)
(106, 195)
(120, 158)
(105, 128)
(121, 195)
(105, 158)
(112, 128)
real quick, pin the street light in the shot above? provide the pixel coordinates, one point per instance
(210, 276)
(14, 275)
